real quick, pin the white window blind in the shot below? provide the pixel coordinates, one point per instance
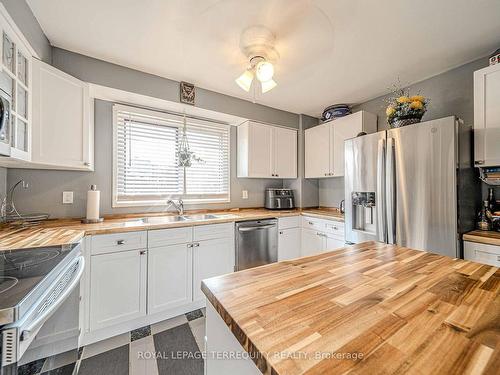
(146, 166)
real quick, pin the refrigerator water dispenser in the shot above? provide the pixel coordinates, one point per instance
(364, 211)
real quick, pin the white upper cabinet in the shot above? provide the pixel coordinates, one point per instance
(285, 152)
(317, 151)
(487, 116)
(63, 120)
(16, 70)
(266, 151)
(324, 144)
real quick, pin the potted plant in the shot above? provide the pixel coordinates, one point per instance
(404, 109)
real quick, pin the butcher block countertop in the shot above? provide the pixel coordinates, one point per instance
(485, 237)
(370, 308)
(64, 231)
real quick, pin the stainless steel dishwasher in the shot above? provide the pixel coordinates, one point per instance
(256, 243)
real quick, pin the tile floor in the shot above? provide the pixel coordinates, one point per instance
(172, 346)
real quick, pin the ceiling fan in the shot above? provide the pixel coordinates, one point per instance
(257, 43)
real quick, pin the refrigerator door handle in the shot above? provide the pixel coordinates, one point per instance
(381, 209)
(390, 189)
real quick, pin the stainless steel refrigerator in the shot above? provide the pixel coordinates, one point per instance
(413, 186)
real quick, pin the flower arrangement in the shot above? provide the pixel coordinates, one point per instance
(404, 109)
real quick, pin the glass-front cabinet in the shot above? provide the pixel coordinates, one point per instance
(16, 64)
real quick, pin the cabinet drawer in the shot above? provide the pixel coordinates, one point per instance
(213, 231)
(289, 222)
(313, 223)
(165, 237)
(482, 253)
(110, 243)
(335, 228)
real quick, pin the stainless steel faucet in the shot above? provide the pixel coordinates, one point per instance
(179, 205)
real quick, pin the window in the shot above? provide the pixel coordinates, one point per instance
(145, 162)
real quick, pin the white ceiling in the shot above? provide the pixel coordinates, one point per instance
(332, 51)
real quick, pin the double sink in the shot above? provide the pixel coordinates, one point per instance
(181, 218)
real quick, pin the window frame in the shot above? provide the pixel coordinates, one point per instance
(169, 116)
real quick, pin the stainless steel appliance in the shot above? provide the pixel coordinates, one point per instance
(256, 243)
(5, 108)
(39, 304)
(279, 199)
(412, 186)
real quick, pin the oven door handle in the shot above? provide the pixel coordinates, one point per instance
(34, 325)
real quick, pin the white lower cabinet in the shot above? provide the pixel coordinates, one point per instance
(319, 235)
(139, 278)
(482, 253)
(289, 244)
(312, 242)
(211, 258)
(118, 288)
(169, 277)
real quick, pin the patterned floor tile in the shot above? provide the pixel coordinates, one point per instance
(167, 324)
(141, 357)
(140, 333)
(112, 362)
(63, 370)
(31, 367)
(106, 345)
(178, 340)
(198, 328)
(60, 360)
(194, 314)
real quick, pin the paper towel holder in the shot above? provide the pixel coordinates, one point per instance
(92, 221)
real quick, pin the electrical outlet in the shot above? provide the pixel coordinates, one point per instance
(67, 197)
(244, 194)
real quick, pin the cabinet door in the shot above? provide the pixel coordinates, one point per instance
(289, 244)
(285, 153)
(211, 258)
(342, 129)
(482, 253)
(487, 116)
(62, 110)
(169, 277)
(260, 150)
(317, 151)
(333, 243)
(117, 288)
(312, 242)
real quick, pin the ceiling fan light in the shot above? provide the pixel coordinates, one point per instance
(268, 85)
(245, 80)
(264, 71)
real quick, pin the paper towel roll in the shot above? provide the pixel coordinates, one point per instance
(93, 197)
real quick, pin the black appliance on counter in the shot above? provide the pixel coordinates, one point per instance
(279, 199)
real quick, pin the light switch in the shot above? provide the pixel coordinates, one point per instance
(244, 194)
(67, 197)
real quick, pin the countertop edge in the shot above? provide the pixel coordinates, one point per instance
(486, 237)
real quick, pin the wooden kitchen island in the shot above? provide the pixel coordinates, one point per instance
(369, 308)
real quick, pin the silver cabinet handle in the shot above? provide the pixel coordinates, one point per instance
(120, 242)
(310, 223)
(281, 232)
(142, 252)
(479, 162)
(197, 244)
(86, 163)
(189, 245)
(250, 229)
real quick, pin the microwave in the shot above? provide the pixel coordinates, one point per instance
(5, 108)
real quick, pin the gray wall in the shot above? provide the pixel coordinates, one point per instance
(23, 17)
(103, 73)
(450, 93)
(46, 187)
